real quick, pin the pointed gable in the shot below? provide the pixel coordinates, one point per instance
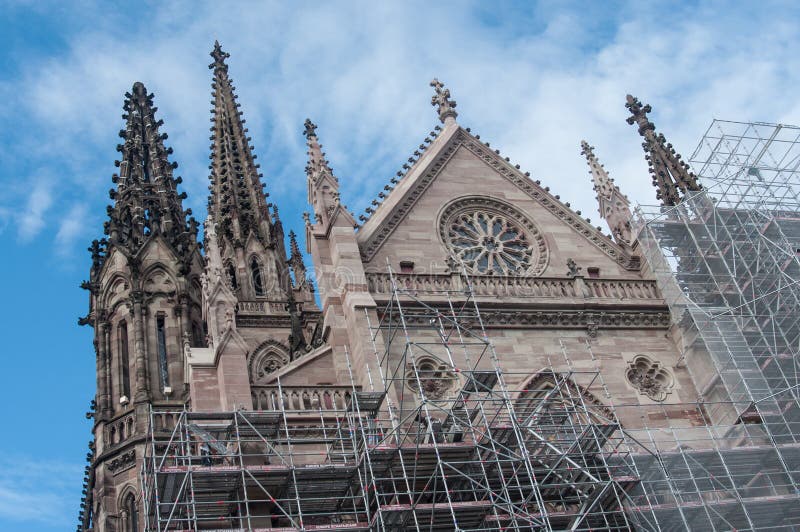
(457, 165)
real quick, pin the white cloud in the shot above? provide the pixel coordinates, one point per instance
(37, 490)
(72, 225)
(534, 81)
(31, 219)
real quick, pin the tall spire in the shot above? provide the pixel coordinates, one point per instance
(671, 176)
(146, 200)
(441, 100)
(613, 206)
(297, 264)
(323, 186)
(237, 202)
(317, 164)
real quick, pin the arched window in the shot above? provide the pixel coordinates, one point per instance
(258, 280)
(124, 362)
(132, 523)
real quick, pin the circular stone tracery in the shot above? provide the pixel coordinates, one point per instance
(490, 237)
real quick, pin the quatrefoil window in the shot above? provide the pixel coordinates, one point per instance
(650, 378)
(489, 237)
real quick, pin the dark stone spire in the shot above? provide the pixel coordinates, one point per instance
(146, 200)
(237, 202)
(297, 264)
(671, 176)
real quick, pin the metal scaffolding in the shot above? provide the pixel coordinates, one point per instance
(449, 445)
(726, 259)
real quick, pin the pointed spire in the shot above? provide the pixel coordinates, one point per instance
(317, 163)
(671, 176)
(237, 202)
(146, 200)
(613, 206)
(219, 57)
(323, 186)
(441, 100)
(603, 184)
(297, 264)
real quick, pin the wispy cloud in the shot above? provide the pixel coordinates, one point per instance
(534, 79)
(72, 225)
(31, 219)
(37, 490)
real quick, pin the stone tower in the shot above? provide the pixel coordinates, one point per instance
(145, 299)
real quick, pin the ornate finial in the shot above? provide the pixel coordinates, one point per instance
(639, 114)
(587, 151)
(445, 106)
(670, 174)
(311, 128)
(219, 56)
(573, 270)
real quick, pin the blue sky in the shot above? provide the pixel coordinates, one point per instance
(532, 78)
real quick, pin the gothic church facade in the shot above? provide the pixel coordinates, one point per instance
(177, 327)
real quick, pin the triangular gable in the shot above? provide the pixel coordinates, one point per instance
(377, 229)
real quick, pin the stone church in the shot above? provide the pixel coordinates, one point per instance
(238, 326)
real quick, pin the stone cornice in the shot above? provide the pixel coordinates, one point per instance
(526, 318)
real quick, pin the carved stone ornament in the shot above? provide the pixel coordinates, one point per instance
(650, 378)
(491, 237)
(268, 358)
(432, 378)
(122, 462)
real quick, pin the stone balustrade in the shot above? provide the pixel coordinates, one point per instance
(301, 398)
(520, 287)
(261, 307)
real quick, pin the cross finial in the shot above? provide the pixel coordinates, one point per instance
(639, 114)
(441, 100)
(219, 56)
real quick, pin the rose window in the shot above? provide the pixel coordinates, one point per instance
(487, 242)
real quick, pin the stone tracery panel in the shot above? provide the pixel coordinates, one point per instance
(430, 377)
(266, 359)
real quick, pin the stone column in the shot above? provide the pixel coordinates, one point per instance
(182, 311)
(142, 389)
(109, 374)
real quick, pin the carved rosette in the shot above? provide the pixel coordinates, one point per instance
(650, 378)
(492, 237)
